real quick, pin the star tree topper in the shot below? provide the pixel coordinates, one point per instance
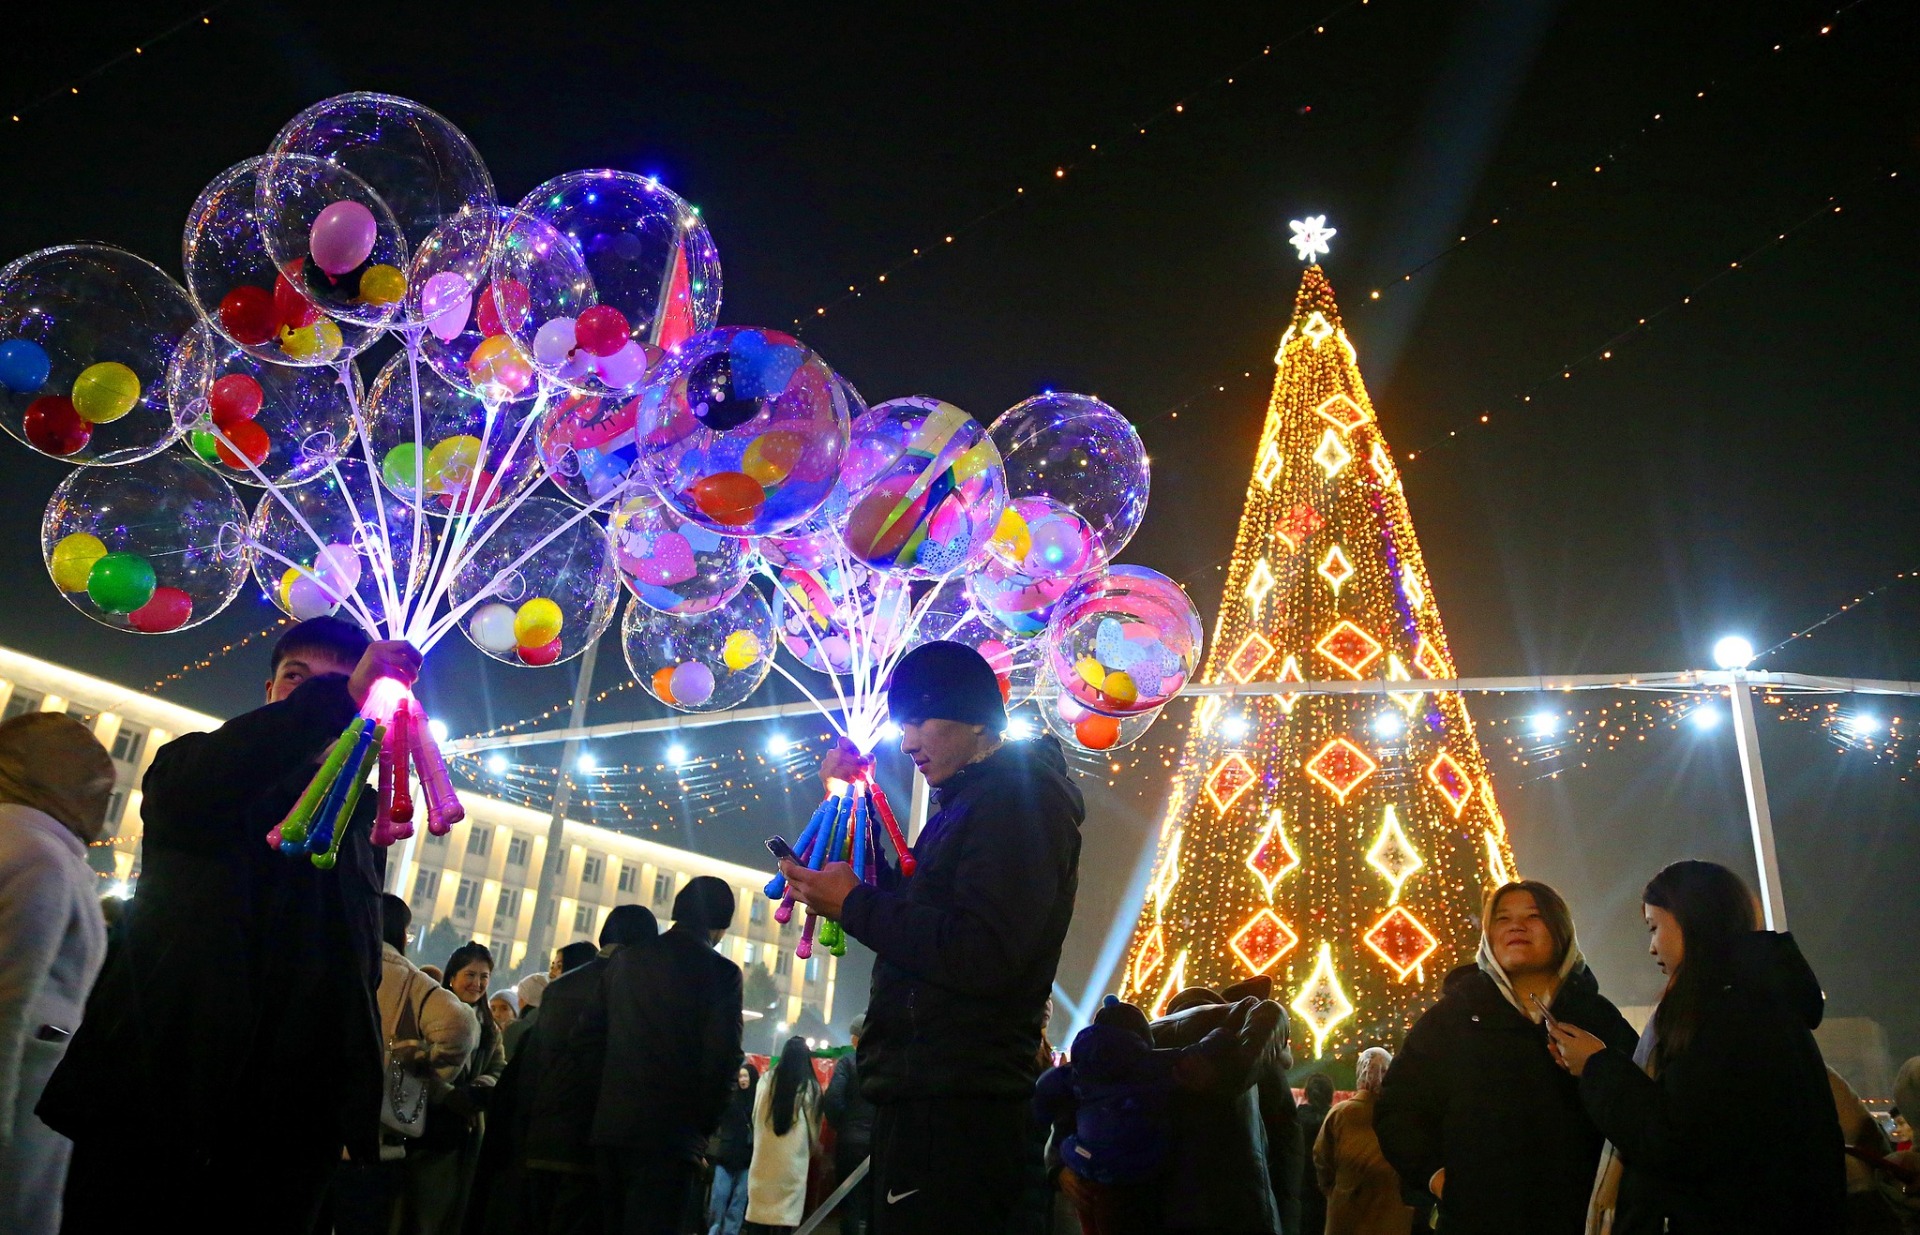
(1310, 236)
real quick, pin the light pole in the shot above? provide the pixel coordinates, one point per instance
(1734, 654)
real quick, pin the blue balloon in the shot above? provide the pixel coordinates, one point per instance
(23, 366)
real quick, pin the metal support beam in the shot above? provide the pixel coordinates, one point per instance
(1773, 904)
(546, 920)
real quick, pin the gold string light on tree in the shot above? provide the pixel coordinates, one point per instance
(1340, 844)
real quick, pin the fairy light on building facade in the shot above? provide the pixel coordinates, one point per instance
(1343, 857)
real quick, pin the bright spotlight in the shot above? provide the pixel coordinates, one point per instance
(1545, 724)
(1018, 729)
(496, 764)
(1235, 728)
(1733, 652)
(778, 745)
(120, 889)
(676, 754)
(586, 763)
(1706, 716)
(438, 728)
(890, 731)
(1863, 725)
(1389, 725)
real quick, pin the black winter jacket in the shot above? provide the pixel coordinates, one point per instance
(558, 1079)
(1475, 1090)
(243, 972)
(1235, 1164)
(965, 951)
(848, 1110)
(1738, 1134)
(733, 1143)
(672, 1032)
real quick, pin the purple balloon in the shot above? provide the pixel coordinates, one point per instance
(624, 369)
(447, 302)
(691, 683)
(342, 237)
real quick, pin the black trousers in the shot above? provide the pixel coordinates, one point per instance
(644, 1191)
(856, 1212)
(265, 1186)
(948, 1164)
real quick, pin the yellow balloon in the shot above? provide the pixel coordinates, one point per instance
(315, 344)
(286, 588)
(1092, 672)
(537, 623)
(105, 392)
(383, 285)
(982, 457)
(741, 650)
(73, 560)
(1011, 537)
(1119, 687)
(451, 463)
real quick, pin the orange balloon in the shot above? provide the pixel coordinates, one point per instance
(663, 683)
(769, 457)
(1096, 732)
(729, 498)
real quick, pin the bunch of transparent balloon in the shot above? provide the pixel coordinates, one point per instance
(553, 411)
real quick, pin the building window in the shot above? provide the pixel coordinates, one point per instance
(21, 702)
(83, 716)
(663, 887)
(479, 840)
(426, 885)
(507, 913)
(813, 969)
(467, 900)
(746, 957)
(783, 962)
(583, 920)
(433, 838)
(629, 877)
(130, 742)
(592, 868)
(519, 850)
(116, 806)
(757, 910)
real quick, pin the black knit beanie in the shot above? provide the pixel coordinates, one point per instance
(946, 681)
(1115, 1013)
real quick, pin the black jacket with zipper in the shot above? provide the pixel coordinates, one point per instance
(965, 950)
(1475, 1090)
(1739, 1133)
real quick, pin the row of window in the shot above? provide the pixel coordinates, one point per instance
(592, 871)
(129, 741)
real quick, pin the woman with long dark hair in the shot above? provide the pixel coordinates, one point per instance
(1730, 1047)
(731, 1154)
(441, 1164)
(786, 1126)
(1474, 1112)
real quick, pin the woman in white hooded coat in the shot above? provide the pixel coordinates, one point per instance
(786, 1128)
(55, 779)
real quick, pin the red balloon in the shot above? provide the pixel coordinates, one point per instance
(730, 498)
(601, 330)
(545, 654)
(1006, 688)
(53, 427)
(248, 439)
(234, 398)
(508, 294)
(247, 314)
(1096, 732)
(170, 609)
(291, 308)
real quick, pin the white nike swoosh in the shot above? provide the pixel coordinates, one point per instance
(894, 1198)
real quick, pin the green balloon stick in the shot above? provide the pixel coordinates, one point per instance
(293, 829)
(325, 860)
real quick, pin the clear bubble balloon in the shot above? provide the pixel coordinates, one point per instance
(672, 565)
(287, 421)
(423, 168)
(338, 536)
(1083, 455)
(833, 619)
(333, 238)
(1015, 603)
(241, 290)
(927, 489)
(155, 546)
(609, 262)
(1086, 730)
(86, 335)
(707, 662)
(743, 431)
(588, 445)
(1123, 641)
(951, 616)
(446, 283)
(551, 566)
(468, 457)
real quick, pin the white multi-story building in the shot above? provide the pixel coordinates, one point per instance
(482, 877)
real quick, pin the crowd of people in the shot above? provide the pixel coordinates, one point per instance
(251, 1047)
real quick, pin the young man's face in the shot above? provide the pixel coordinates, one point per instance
(299, 665)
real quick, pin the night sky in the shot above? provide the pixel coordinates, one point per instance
(1744, 464)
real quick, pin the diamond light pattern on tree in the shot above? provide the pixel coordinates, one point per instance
(1368, 954)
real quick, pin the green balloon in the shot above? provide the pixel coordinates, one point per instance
(205, 445)
(399, 468)
(120, 582)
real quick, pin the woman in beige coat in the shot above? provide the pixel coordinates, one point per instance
(786, 1127)
(1362, 1188)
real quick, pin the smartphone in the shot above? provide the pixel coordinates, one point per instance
(780, 849)
(1546, 1017)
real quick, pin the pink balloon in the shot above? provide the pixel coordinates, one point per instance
(447, 302)
(625, 367)
(342, 237)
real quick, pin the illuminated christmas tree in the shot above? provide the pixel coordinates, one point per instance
(1340, 843)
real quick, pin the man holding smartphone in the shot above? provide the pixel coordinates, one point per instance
(965, 950)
